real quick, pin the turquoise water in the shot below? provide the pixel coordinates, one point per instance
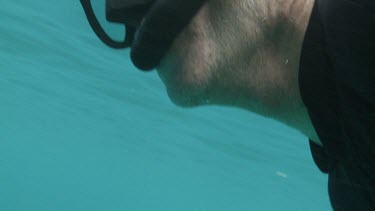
(82, 129)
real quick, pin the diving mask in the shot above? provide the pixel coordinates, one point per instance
(148, 27)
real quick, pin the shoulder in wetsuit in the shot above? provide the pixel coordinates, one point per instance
(337, 82)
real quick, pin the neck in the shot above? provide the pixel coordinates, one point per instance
(285, 30)
(294, 19)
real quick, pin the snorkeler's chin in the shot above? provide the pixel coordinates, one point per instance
(186, 99)
(181, 89)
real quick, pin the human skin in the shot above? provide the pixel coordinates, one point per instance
(242, 53)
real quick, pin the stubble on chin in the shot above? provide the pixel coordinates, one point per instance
(187, 68)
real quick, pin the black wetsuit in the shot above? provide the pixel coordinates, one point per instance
(337, 82)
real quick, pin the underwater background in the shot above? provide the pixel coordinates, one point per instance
(82, 129)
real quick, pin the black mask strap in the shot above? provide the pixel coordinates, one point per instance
(99, 31)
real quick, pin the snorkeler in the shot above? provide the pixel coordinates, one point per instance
(309, 64)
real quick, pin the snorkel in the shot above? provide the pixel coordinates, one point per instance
(150, 25)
